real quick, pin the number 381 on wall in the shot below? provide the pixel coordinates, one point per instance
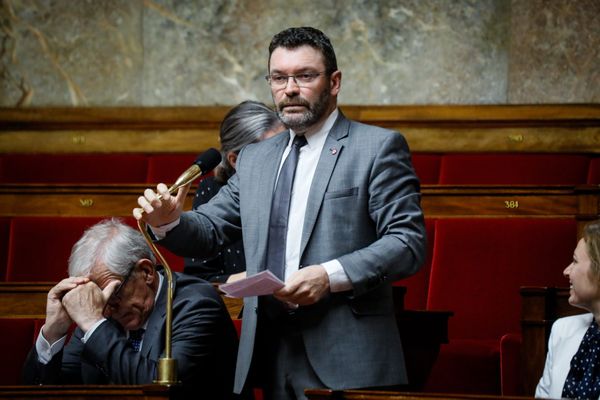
(511, 204)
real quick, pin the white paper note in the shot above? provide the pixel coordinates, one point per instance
(256, 285)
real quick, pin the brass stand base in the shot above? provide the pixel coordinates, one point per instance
(167, 372)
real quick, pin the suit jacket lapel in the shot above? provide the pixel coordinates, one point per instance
(331, 150)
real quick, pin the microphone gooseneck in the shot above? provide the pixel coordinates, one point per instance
(167, 366)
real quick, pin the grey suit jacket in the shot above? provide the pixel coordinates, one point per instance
(363, 210)
(204, 343)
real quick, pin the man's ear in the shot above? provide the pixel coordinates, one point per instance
(231, 158)
(336, 82)
(147, 270)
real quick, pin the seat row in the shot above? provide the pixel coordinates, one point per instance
(445, 169)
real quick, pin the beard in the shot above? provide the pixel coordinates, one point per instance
(300, 122)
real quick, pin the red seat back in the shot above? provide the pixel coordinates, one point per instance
(166, 168)
(4, 235)
(74, 168)
(19, 334)
(39, 247)
(513, 169)
(594, 172)
(427, 167)
(479, 265)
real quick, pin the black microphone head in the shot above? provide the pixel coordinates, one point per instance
(208, 160)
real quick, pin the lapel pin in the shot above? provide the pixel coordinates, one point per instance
(333, 151)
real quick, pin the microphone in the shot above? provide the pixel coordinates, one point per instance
(203, 164)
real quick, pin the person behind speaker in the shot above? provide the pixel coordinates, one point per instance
(113, 290)
(248, 122)
(572, 368)
(354, 226)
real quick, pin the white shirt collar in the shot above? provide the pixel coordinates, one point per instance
(318, 136)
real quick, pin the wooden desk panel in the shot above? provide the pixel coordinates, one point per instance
(531, 201)
(81, 392)
(23, 299)
(326, 394)
(445, 128)
(72, 200)
(438, 201)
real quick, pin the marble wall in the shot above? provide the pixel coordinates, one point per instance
(209, 52)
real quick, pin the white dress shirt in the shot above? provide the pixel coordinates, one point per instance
(305, 172)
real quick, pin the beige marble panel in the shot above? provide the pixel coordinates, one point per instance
(71, 52)
(207, 52)
(390, 52)
(555, 52)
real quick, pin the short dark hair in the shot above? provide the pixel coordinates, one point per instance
(293, 38)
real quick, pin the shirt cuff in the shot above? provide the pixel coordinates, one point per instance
(45, 350)
(338, 280)
(90, 331)
(161, 231)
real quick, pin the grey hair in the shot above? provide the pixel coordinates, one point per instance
(110, 243)
(243, 124)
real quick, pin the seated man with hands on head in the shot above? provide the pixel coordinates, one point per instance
(572, 367)
(113, 292)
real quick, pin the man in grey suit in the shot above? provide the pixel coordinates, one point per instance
(354, 226)
(114, 290)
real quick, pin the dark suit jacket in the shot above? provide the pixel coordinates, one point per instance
(230, 260)
(363, 210)
(204, 343)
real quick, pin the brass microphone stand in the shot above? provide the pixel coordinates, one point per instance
(167, 366)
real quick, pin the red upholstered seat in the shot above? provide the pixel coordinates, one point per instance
(4, 235)
(39, 247)
(510, 365)
(175, 262)
(477, 269)
(166, 168)
(594, 171)
(74, 168)
(513, 169)
(19, 334)
(466, 366)
(427, 167)
(417, 285)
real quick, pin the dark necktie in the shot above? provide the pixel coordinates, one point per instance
(280, 210)
(135, 338)
(583, 380)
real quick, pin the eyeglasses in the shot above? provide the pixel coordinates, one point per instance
(115, 297)
(279, 81)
